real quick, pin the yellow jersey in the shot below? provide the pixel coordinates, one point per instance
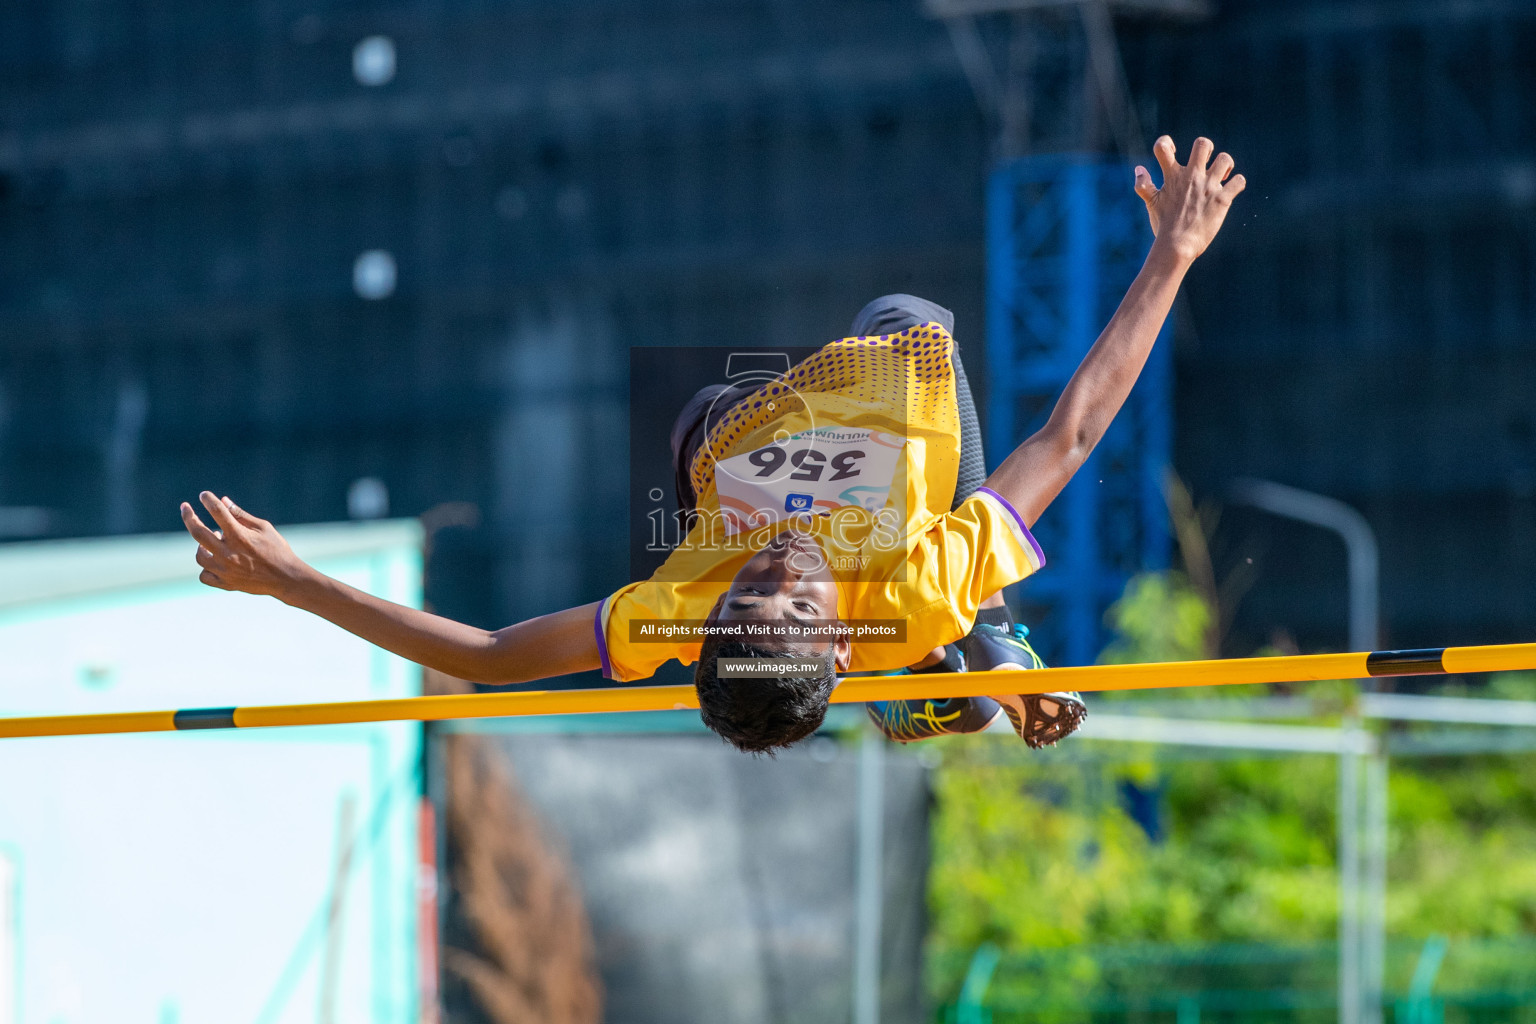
(858, 445)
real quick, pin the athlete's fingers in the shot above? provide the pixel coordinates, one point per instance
(242, 516)
(1222, 166)
(204, 557)
(1230, 190)
(1166, 154)
(1200, 153)
(205, 537)
(223, 516)
(211, 580)
(1144, 186)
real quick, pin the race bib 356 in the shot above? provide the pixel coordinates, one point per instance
(808, 473)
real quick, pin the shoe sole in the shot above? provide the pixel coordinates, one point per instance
(1069, 715)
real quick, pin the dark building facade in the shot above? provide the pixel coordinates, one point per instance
(195, 198)
(274, 248)
(1366, 325)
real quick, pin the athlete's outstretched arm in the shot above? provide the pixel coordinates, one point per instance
(249, 555)
(1186, 213)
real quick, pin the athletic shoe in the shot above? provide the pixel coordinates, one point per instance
(907, 721)
(1040, 719)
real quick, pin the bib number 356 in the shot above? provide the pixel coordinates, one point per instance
(813, 471)
(808, 464)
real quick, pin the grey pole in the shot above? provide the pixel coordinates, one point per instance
(1359, 541)
(1349, 886)
(1373, 923)
(1362, 822)
(869, 887)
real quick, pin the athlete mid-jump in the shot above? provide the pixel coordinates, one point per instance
(843, 491)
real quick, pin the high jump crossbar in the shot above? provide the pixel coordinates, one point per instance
(851, 690)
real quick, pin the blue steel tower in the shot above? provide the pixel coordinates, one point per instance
(1065, 237)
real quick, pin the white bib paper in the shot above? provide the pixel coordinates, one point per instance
(809, 473)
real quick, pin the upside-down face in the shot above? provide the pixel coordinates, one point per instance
(788, 581)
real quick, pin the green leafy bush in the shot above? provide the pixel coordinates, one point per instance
(1037, 852)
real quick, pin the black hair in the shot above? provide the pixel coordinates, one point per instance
(761, 715)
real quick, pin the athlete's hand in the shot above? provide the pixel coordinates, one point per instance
(1188, 210)
(245, 553)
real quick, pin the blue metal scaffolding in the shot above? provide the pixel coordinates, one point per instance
(1065, 237)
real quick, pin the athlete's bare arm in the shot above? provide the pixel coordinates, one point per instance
(1186, 213)
(248, 554)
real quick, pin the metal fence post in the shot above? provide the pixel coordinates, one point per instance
(1373, 937)
(1349, 876)
(869, 884)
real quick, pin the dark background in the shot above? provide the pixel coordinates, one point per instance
(184, 187)
(661, 381)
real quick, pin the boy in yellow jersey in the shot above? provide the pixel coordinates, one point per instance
(888, 408)
(776, 542)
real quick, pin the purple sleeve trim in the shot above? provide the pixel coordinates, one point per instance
(1033, 544)
(602, 640)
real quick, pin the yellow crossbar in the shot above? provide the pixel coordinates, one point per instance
(852, 690)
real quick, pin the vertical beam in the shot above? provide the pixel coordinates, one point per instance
(1080, 314)
(121, 454)
(1002, 308)
(1108, 73)
(869, 886)
(1016, 114)
(972, 54)
(335, 918)
(1349, 877)
(1066, 236)
(1373, 911)
(432, 866)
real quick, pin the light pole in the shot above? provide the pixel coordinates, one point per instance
(1362, 822)
(1359, 542)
